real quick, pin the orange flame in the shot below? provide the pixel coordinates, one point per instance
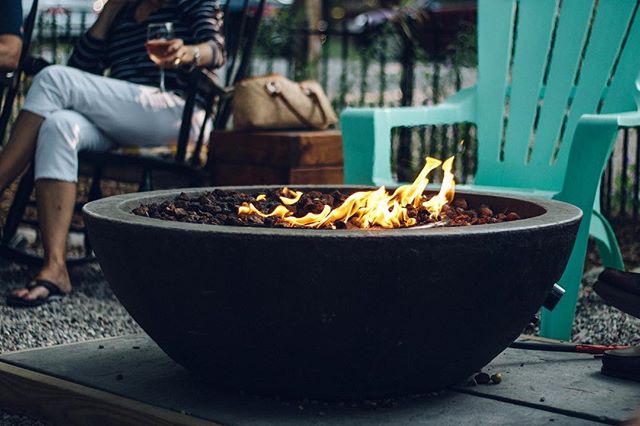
(367, 209)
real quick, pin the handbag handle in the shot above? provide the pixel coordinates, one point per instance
(273, 88)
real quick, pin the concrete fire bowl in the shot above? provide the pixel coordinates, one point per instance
(332, 313)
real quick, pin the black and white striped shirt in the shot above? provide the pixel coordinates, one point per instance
(123, 49)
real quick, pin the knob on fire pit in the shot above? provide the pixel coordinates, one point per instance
(554, 297)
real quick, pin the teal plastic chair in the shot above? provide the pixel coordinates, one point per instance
(556, 80)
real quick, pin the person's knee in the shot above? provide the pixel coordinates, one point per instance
(56, 154)
(53, 76)
(62, 129)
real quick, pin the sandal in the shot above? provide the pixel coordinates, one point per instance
(20, 302)
(620, 289)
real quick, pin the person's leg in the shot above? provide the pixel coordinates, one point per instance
(61, 136)
(19, 150)
(55, 202)
(43, 99)
(128, 113)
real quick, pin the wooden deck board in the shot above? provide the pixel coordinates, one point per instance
(133, 370)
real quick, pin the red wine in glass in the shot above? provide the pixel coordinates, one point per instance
(159, 38)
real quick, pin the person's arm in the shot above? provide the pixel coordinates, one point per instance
(10, 34)
(205, 20)
(89, 53)
(10, 49)
(100, 28)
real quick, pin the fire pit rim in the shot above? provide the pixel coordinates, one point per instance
(119, 208)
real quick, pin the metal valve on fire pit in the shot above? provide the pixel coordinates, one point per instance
(554, 297)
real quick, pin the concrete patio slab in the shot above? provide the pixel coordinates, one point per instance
(131, 378)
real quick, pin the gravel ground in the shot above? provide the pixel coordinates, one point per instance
(92, 312)
(597, 322)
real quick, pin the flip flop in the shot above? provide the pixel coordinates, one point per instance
(54, 294)
(620, 289)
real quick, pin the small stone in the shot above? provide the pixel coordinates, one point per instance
(542, 399)
(101, 347)
(482, 378)
(496, 378)
(461, 203)
(136, 347)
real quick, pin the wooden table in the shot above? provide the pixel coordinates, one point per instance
(293, 157)
(130, 381)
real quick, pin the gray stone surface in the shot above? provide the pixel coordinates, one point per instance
(561, 381)
(134, 367)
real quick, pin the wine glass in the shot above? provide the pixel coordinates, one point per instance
(158, 41)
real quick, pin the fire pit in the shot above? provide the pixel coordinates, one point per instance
(332, 313)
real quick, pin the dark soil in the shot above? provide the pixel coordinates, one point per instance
(220, 207)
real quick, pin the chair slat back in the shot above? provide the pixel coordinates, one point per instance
(571, 33)
(242, 33)
(240, 30)
(542, 65)
(495, 28)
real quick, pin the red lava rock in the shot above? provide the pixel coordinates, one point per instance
(482, 378)
(220, 207)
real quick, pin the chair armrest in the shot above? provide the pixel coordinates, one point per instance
(366, 133)
(208, 84)
(458, 108)
(592, 144)
(625, 119)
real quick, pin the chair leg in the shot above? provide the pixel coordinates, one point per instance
(606, 241)
(18, 206)
(557, 324)
(146, 183)
(95, 193)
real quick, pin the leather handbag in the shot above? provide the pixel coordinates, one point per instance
(274, 102)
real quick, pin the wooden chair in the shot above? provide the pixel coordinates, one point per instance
(174, 166)
(556, 79)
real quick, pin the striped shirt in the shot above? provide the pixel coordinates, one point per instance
(123, 50)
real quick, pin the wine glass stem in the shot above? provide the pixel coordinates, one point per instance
(162, 79)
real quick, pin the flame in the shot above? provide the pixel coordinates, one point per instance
(367, 209)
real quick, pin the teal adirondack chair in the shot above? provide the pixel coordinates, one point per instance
(589, 51)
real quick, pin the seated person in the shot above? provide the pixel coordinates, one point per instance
(72, 108)
(10, 34)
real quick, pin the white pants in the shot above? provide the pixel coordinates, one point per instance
(87, 111)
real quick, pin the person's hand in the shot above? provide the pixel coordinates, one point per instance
(178, 54)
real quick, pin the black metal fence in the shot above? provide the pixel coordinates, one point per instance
(384, 66)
